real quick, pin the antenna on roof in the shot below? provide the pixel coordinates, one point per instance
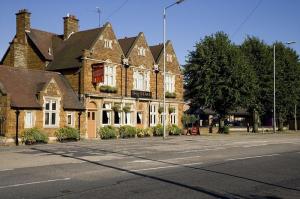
(99, 15)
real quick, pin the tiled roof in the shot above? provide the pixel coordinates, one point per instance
(126, 44)
(156, 51)
(67, 54)
(23, 85)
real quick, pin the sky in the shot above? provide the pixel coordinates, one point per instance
(187, 23)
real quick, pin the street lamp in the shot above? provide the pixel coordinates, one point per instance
(164, 100)
(274, 85)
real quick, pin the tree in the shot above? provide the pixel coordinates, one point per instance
(259, 58)
(217, 76)
(287, 82)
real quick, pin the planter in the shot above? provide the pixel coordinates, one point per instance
(108, 89)
(170, 95)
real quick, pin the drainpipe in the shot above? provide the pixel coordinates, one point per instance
(79, 115)
(17, 127)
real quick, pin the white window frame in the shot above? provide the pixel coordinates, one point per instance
(108, 43)
(71, 114)
(141, 51)
(107, 108)
(153, 114)
(173, 116)
(141, 80)
(31, 120)
(51, 100)
(129, 121)
(110, 75)
(170, 83)
(139, 114)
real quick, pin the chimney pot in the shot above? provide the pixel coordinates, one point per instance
(70, 25)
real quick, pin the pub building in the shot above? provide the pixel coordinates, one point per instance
(118, 81)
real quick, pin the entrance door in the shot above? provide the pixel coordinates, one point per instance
(91, 119)
(91, 124)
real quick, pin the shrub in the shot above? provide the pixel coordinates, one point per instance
(224, 130)
(158, 130)
(108, 89)
(127, 131)
(34, 135)
(171, 110)
(160, 109)
(174, 130)
(126, 109)
(67, 133)
(107, 132)
(147, 132)
(170, 95)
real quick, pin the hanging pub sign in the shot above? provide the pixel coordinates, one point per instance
(98, 73)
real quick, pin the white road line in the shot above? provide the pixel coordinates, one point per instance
(161, 160)
(30, 183)
(200, 150)
(251, 157)
(165, 167)
(6, 170)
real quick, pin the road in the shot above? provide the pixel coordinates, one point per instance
(223, 166)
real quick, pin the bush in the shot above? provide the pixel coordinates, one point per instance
(34, 135)
(147, 132)
(174, 130)
(224, 130)
(127, 131)
(108, 89)
(170, 95)
(67, 133)
(107, 132)
(158, 130)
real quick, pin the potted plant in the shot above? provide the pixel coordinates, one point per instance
(116, 107)
(160, 110)
(171, 110)
(126, 109)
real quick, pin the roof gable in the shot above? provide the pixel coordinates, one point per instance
(127, 44)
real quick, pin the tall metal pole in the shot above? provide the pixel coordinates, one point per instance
(274, 90)
(296, 128)
(164, 73)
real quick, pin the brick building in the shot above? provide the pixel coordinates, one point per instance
(119, 81)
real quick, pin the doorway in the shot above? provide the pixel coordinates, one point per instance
(91, 120)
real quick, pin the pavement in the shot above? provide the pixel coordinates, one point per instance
(256, 166)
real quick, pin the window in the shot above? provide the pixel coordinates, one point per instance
(169, 58)
(152, 115)
(110, 75)
(117, 117)
(98, 73)
(108, 43)
(51, 113)
(141, 51)
(139, 117)
(141, 80)
(173, 117)
(28, 119)
(127, 118)
(106, 113)
(70, 119)
(170, 83)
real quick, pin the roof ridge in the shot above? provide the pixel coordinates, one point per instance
(44, 31)
(29, 69)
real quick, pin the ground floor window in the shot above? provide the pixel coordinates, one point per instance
(106, 113)
(139, 117)
(153, 112)
(173, 116)
(117, 117)
(29, 123)
(127, 118)
(70, 119)
(51, 113)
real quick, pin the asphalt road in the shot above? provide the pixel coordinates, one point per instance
(234, 166)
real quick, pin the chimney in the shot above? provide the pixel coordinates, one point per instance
(70, 25)
(23, 24)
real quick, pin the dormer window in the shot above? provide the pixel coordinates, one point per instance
(141, 51)
(169, 58)
(108, 43)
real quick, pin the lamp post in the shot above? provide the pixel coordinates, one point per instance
(164, 73)
(274, 84)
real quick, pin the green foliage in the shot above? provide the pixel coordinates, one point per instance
(147, 132)
(116, 107)
(107, 132)
(170, 95)
(160, 109)
(224, 130)
(127, 131)
(171, 110)
(67, 133)
(126, 109)
(174, 130)
(33, 135)
(108, 89)
(158, 130)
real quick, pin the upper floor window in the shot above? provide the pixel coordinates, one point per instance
(51, 113)
(169, 58)
(170, 83)
(110, 75)
(108, 43)
(141, 80)
(141, 51)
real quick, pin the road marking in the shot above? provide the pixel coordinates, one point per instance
(251, 157)
(161, 160)
(141, 161)
(200, 150)
(30, 183)
(6, 170)
(165, 167)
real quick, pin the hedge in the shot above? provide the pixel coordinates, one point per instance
(33, 136)
(67, 133)
(127, 131)
(107, 132)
